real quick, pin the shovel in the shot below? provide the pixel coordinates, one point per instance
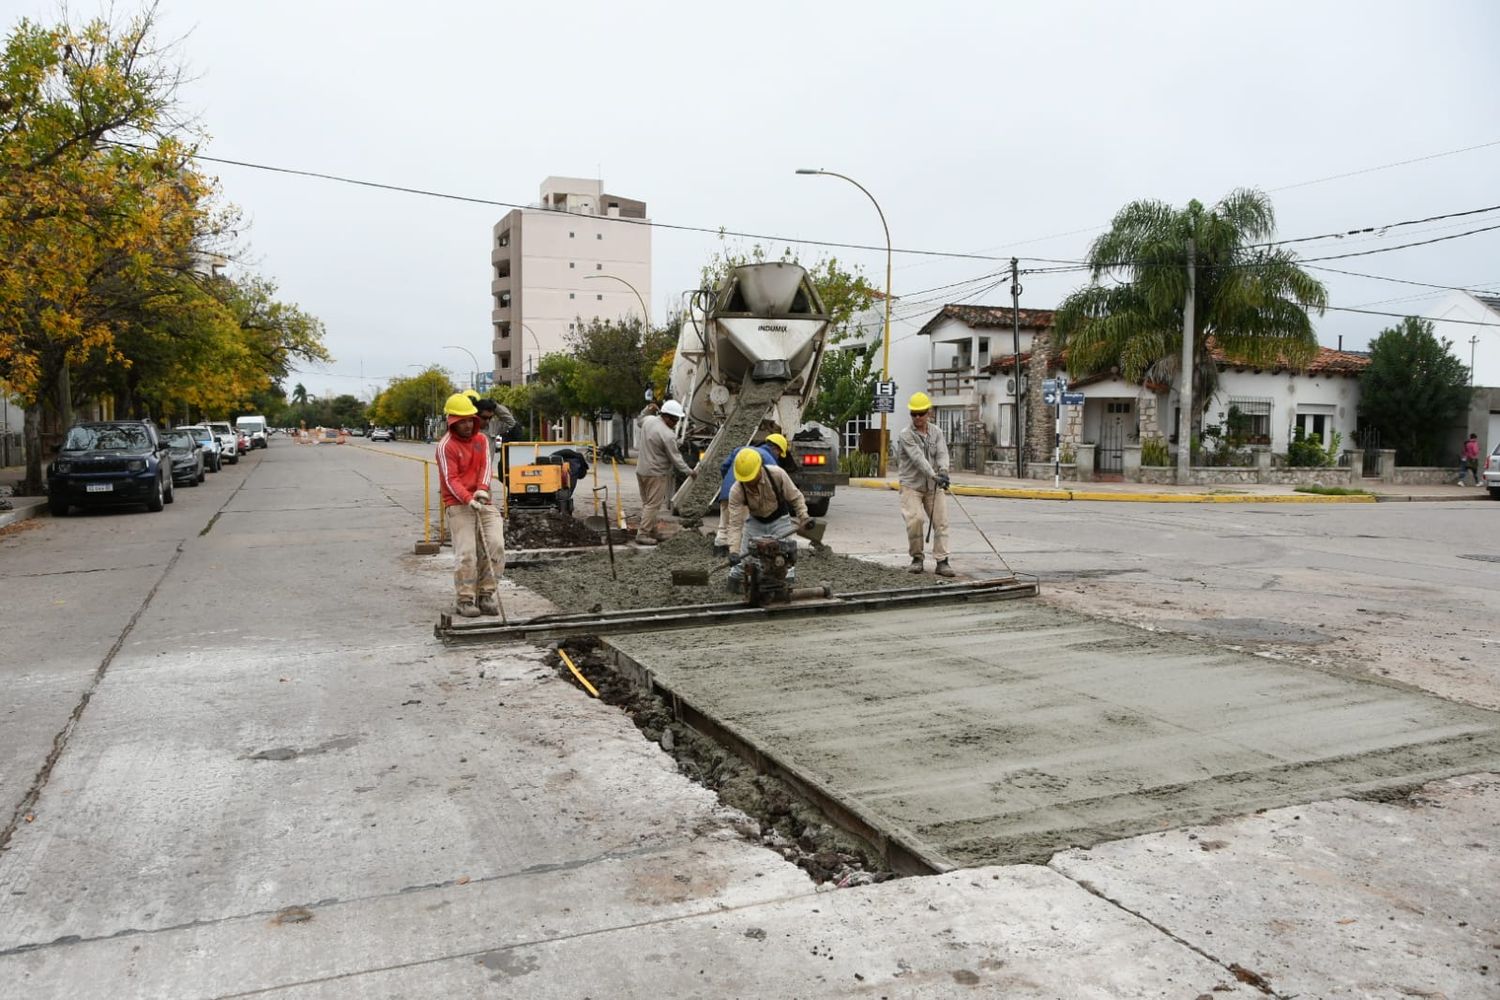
(814, 533)
(609, 538)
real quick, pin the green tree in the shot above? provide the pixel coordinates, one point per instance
(409, 402)
(299, 393)
(1251, 299)
(615, 362)
(1413, 391)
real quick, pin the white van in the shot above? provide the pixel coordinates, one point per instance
(254, 427)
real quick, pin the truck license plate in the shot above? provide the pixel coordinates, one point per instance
(533, 488)
(100, 487)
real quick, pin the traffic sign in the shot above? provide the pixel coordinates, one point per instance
(884, 404)
(1049, 397)
(1072, 399)
(1049, 385)
(885, 389)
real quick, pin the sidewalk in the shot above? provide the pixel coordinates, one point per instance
(12, 507)
(976, 485)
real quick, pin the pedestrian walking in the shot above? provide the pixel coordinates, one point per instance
(762, 502)
(1469, 461)
(658, 455)
(922, 469)
(774, 449)
(464, 471)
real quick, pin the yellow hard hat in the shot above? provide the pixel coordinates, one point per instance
(919, 403)
(459, 405)
(780, 442)
(472, 394)
(747, 463)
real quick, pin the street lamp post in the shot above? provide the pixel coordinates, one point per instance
(524, 378)
(474, 375)
(645, 316)
(885, 340)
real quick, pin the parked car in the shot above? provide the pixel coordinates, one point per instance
(110, 462)
(382, 434)
(188, 462)
(229, 441)
(213, 450)
(243, 440)
(1491, 473)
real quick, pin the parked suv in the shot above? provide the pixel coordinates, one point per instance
(1491, 473)
(229, 441)
(110, 462)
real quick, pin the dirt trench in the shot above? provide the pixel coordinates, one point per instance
(548, 529)
(781, 820)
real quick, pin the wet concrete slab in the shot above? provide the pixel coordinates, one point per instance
(1005, 732)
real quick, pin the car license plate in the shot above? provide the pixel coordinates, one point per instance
(100, 487)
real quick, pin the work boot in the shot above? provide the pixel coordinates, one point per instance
(645, 539)
(916, 565)
(468, 609)
(720, 551)
(488, 604)
(943, 569)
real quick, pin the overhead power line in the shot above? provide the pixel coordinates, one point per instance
(1430, 319)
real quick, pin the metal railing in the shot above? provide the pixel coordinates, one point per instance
(949, 381)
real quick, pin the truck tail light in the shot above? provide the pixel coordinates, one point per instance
(814, 459)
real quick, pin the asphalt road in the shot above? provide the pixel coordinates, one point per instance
(233, 760)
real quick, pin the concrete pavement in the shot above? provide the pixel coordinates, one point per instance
(266, 776)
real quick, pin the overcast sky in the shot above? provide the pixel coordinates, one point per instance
(981, 126)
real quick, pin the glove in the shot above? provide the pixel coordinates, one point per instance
(943, 481)
(480, 500)
(734, 559)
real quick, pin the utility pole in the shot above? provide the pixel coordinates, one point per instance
(1185, 390)
(1472, 341)
(1019, 422)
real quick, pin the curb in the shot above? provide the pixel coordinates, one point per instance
(25, 509)
(1018, 493)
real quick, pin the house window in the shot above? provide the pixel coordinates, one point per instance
(1315, 423)
(1249, 418)
(1117, 406)
(851, 432)
(570, 236)
(598, 236)
(571, 265)
(950, 420)
(598, 267)
(599, 298)
(571, 295)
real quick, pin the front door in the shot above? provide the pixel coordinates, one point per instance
(1114, 432)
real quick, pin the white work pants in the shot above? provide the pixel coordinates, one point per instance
(476, 573)
(917, 508)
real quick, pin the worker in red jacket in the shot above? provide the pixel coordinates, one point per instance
(464, 470)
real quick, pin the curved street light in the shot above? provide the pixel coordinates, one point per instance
(645, 316)
(473, 375)
(885, 340)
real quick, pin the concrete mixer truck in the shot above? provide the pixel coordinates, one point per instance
(747, 364)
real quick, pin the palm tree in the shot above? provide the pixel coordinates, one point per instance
(299, 394)
(1252, 299)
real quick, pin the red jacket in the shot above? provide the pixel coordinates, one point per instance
(463, 467)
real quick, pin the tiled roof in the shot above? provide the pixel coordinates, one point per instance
(990, 318)
(1005, 362)
(1326, 362)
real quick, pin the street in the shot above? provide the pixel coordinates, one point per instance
(235, 761)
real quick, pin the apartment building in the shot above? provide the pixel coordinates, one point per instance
(564, 261)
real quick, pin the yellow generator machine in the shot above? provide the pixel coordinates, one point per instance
(538, 481)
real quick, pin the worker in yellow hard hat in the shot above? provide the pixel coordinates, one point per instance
(464, 473)
(922, 468)
(763, 501)
(774, 451)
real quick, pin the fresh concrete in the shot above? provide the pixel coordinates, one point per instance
(1006, 731)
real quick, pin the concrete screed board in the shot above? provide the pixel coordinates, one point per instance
(1004, 732)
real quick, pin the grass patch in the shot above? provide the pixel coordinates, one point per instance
(1332, 491)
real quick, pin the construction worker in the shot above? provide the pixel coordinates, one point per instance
(774, 449)
(763, 501)
(464, 469)
(922, 468)
(658, 456)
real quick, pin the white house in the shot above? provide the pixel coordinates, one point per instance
(1454, 319)
(909, 358)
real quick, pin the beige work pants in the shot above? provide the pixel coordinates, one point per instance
(475, 573)
(917, 508)
(653, 499)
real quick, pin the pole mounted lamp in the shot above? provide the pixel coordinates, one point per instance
(885, 340)
(473, 375)
(645, 316)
